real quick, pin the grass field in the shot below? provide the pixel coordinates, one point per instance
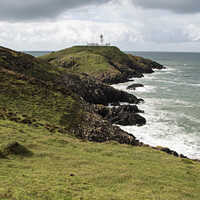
(63, 167)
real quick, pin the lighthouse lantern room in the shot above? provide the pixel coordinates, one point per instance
(101, 40)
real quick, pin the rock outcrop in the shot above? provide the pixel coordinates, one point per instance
(98, 130)
(134, 86)
(144, 65)
(94, 91)
(169, 151)
(122, 115)
(109, 64)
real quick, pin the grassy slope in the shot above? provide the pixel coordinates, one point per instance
(90, 59)
(63, 167)
(39, 100)
(84, 62)
(27, 64)
(109, 52)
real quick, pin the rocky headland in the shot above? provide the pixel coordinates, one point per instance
(74, 84)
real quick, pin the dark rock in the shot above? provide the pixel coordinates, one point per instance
(103, 131)
(134, 86)
(69, 64)
(94, 91)
(127, 119)
(72, 175)
(113, 79)
(26, 121)
(125, 73)
(182, 156)
(123, 115)
(126, 108)
(16, 119)
(115, 104)
(167, 150)
(103, 111)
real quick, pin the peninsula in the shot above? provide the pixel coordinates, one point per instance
(59, 140)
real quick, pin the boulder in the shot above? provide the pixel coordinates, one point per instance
(167, 150)
(123, 115)
(126, 119)
(134, 86)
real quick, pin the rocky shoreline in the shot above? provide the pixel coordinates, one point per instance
(127, 115)
(91, 92)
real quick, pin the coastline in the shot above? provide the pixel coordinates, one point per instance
(150, 128)
(160, 148)
(121, 79)
(54, 144)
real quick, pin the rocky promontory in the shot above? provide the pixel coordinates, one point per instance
(70, 90)
(105, 63)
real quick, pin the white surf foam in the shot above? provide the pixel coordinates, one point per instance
(162, 129)
(123, 86)
(163, 126)
(166, 136)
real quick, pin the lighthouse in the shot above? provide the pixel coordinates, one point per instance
(101, 40)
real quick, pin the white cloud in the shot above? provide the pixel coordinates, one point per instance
(122, 23)
(62, 34)
(193, 31)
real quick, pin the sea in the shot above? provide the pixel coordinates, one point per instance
(171, 102)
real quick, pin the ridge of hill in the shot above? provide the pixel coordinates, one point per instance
(92, 90)
(105, 63)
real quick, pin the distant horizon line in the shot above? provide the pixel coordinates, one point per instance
(163, 51)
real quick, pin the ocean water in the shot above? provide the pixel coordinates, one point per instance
(37, 53)
(172, 103)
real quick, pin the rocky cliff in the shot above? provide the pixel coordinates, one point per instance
(61, 89)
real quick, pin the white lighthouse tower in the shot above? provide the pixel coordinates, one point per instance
(101, 40)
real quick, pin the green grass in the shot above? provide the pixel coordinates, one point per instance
(89, 59)
(109, 52)
(84, 62)
(63, 167)
(39, 100)
(28, 65)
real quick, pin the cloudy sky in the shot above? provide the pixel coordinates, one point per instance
(138, 25)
